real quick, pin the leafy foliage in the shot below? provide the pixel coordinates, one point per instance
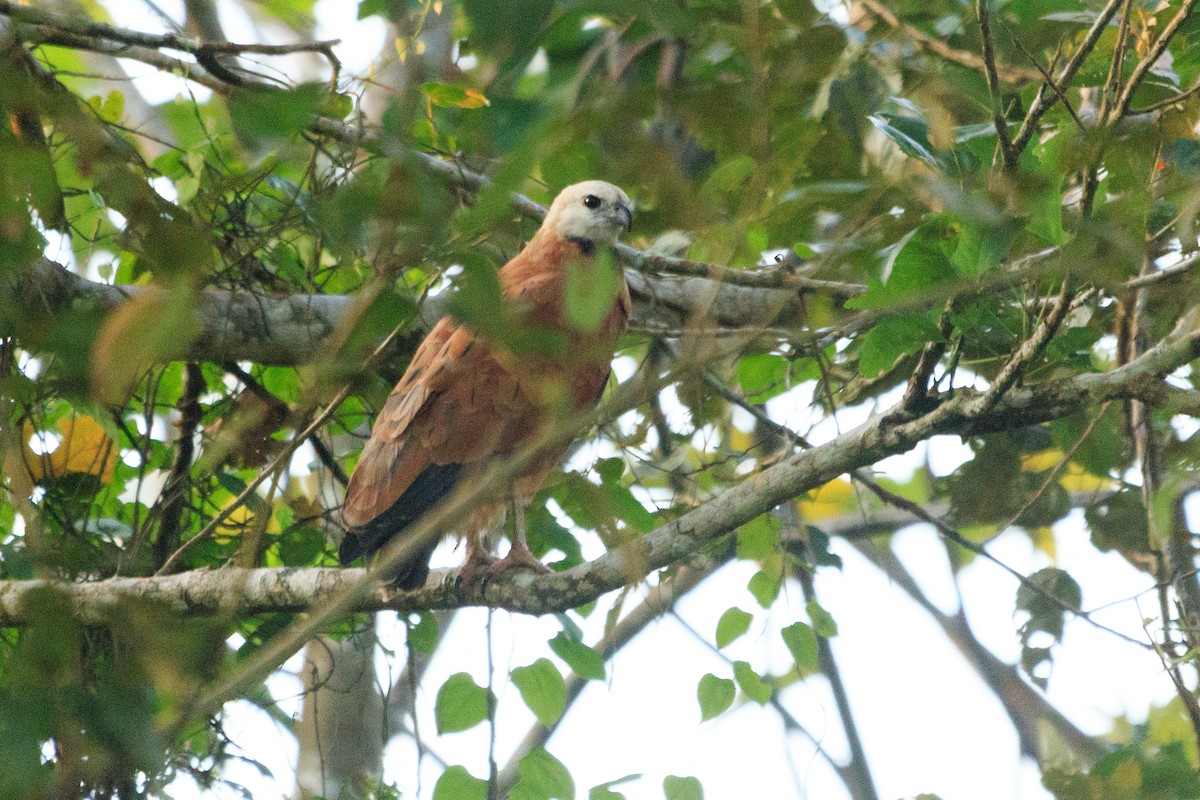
(946, 205)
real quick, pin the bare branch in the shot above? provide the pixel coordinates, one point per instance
(1121, 107)
(76, 27)
(1050, 92)
(1008, 154)
(1021, 700)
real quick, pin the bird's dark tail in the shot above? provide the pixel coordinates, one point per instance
(433, 484)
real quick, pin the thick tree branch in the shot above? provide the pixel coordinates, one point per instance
(45, 27)
(259, 590)
(288, 329)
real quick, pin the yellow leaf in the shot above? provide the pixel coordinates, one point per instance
(1040, 462)
(452, 95)
(85, 449)
(1078, 479)
(827, 501)
(1074, 478)
(1043, 540)
(242, 520)
(740, 440)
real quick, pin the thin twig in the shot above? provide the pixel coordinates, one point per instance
(917, 390)
(1008, 155)
(915, 509)
(281, 459)
(175, 490)
(1112, 84)
(1182, 97)
(1051, 91)
(858, 770)
(657, 602)
(1121, 107)
(789, 720)
(1019, 698)
(32, 15)
(1007, 73)
(1046, 76)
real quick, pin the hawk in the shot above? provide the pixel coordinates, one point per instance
(466, 401)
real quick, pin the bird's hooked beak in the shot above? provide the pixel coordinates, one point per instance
(626, 214)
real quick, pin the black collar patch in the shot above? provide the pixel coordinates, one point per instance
(586, 246)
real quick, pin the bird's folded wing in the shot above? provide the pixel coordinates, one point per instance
(455, 404)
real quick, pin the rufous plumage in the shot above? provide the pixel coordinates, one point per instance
(466, 401)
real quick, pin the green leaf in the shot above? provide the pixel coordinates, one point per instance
(914, 265)
(543, 690)
(982, 246)
(477, 296)
(764, 587)
(800, 12)
(732, 624)
(276, 113)
(542, 777)
(730, 174)
(460, 704)
(752, 685)
(823, 622)
(1044, 597)
(677, 788)
(423, 634)
(583, 660)
(758, 538)
(762, 376)
(801, 642)
(910, 134)
(591, 286)
(458, 784)
(111, 108)
(603, 791)
(231, 483)
(626, 507)
(715, 696)
(892, 338)
(447, 94)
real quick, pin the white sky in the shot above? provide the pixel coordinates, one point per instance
(928, 725)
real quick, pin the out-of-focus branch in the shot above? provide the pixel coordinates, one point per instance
(341, 731)
(1024, 704)
(1051, 92)
(206, 592)
(1007, 73)
(857, 771)
(658, 601)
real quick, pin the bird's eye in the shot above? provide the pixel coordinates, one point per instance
(591, 201)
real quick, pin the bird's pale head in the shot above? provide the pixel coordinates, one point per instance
(590, 213)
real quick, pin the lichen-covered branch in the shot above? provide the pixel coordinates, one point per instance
(299, 589)
(287, 329)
